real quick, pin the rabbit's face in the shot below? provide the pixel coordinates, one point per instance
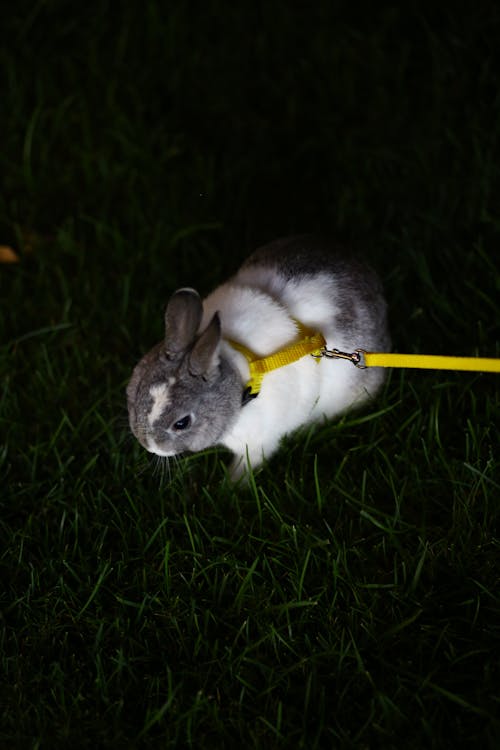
(171, 410)
(182, 395)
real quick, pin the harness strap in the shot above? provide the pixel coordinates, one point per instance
(311, 342)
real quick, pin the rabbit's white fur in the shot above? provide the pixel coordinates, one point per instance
(303, 391)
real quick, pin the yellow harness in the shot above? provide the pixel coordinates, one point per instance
(311, 342)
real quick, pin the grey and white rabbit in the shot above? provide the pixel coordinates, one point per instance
(187, 393)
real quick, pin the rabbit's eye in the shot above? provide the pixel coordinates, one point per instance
(182, 424)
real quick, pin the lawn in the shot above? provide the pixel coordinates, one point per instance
(349, 596)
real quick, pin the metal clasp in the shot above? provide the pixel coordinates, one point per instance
(356, 357)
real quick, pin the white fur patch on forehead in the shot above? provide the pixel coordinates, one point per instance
(159, 394)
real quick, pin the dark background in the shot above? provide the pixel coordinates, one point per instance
(191, 125)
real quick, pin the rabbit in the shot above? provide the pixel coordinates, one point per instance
(189, 392)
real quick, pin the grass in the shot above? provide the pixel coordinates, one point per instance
(348, 597)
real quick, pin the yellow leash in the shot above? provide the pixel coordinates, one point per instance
(363, 359)
(431, 362)
(314, 343)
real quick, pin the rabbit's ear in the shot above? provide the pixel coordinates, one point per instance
(182, 320)
(204, 356)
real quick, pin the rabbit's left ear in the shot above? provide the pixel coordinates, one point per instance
(204, 356)
(182, 319)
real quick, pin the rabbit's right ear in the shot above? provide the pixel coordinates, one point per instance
(182, 320)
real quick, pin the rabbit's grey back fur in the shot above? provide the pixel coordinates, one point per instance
(360, 296)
